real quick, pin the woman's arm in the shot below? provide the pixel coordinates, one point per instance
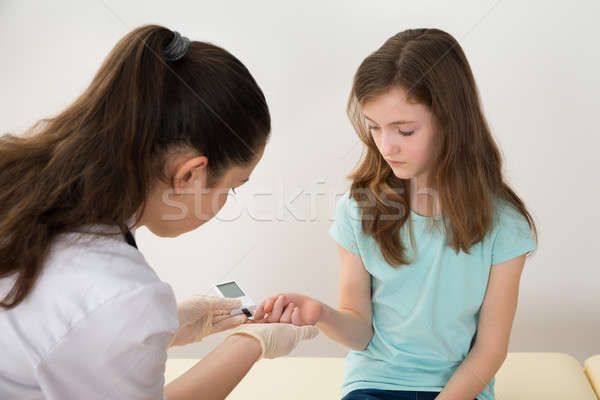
(217, 374)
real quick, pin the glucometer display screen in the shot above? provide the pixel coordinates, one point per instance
(231, 290)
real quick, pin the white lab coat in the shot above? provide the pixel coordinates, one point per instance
(95, 326)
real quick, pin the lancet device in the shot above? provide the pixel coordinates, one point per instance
(232, 290)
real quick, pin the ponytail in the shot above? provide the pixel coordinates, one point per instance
(97, 161)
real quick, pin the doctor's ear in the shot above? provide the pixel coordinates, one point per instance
(189, 171)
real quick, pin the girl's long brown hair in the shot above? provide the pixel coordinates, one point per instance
(431, 67)
(97, 160)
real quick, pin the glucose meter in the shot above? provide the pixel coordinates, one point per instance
(231, 290)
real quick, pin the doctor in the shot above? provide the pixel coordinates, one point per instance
(166, 129)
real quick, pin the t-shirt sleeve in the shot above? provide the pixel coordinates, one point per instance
(342, 230)
(117, 351)
(513, 237)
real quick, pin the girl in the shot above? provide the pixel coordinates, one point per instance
(432, 240)
(166, 126)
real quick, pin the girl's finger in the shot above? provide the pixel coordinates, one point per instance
(286, 317)
(296, 320)
(270, 303)
(260, 311)
(277, 309)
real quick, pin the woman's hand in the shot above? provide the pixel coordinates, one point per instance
(276, 339)
(202, 315)
(288, 308)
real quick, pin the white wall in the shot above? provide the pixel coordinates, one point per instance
(536, 65)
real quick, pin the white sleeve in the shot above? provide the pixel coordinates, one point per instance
(118, 351)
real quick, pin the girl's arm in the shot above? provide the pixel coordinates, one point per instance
(493, 333)
(472, 375)
(218, 373)
(351, 323)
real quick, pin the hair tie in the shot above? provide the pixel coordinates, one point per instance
(176, 48)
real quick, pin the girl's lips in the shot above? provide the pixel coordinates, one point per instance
(396, 163)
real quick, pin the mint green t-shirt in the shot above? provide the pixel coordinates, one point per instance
(425, 314)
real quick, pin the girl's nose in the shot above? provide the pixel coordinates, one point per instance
(387, 143)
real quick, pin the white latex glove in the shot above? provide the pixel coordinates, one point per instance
(277, 339)
(201, 315)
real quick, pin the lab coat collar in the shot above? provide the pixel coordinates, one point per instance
(91, 228)
(131, 224)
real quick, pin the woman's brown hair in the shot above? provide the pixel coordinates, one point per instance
(97, 160)
(466, 175)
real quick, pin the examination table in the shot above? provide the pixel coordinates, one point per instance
(523, 376)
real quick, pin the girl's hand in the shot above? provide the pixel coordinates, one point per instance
(291, 308)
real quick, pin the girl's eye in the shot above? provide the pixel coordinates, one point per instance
(404, 133)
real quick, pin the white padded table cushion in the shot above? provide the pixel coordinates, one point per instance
(523, 376)
(548, 376)
(592, 369)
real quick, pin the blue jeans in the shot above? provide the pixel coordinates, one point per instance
(378, 394)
